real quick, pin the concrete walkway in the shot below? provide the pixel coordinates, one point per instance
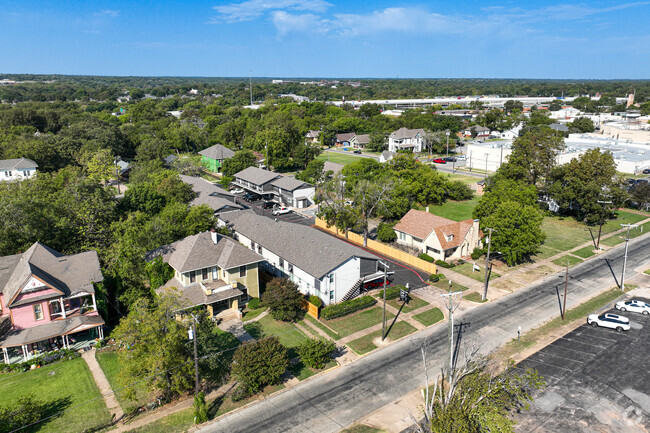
(102, 383)
(236, 328)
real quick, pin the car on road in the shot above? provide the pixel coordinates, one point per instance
(450, 158)
(609, 320)
(236, 191)
(357, 151)
(439, 161)
(281, 210)
(646, 171)
(634, 305)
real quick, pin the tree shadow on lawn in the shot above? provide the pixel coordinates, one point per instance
(214, 407)
(49, 411)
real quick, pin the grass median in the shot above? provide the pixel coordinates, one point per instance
(365, 344)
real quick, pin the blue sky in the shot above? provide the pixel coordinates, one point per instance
(328, 38)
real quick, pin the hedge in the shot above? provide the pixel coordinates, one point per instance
(426, 258)
(254, 304)
(444, 264)
(347, 307)
(45, 359)
(434, 278)
(316, 301)
(478, 252)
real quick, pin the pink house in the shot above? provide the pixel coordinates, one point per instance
(45, 297)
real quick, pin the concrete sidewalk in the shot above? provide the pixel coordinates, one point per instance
(102, 383)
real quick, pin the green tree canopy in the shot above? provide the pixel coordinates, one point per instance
(284, 300)
(260, 363)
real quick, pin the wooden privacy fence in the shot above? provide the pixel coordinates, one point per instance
(381, 248)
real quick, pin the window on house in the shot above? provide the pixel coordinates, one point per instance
(38, 312)
(402, 236)
(450, 237)
(56, 307)
(331, 278)
(242, 271)
(290, 267)
(192, 276)
(26, 172)
(281, 262)
(332, 296)
(259, 249)
(252, 245)
(204, 274)
(7, 174)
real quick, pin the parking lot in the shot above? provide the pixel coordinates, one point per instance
(597, 380)
(292, 217)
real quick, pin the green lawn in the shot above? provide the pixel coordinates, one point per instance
(302, 372)
(355, 322)
(444, 285)
(563, 260)
(364, 344)
(413, 304)
(455, 210)
(339, 158)
(62, 385)
(319, 325)
(614, 240)
(429, 317)
(251, 314)
(109, 363)
(545, 252)
(585, 252)
(474, 297)
(466, 269)
(467, 180)
(287, 333)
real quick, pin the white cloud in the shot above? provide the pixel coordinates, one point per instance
(286, 23)
(251, 9)
(108, 13)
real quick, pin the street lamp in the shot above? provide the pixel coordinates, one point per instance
(447, 134)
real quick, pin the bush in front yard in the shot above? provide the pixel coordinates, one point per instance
(434, 278)
(23, 411)
(260, 363)
(316, 352)
(444, 264)
(284, 300)
(426, 258)
(315, 300)
(392, 292)
(347, 307)
(385, 233)
(254, 304)
(478, 252)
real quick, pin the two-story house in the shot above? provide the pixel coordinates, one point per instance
(438, 237)
(360, 141)
(207, 193)
(286, 190)
(256, 180)
(214, 156)
(409, 139)
(211, 270)
(45, 297)
(17, 169)
(318, 263)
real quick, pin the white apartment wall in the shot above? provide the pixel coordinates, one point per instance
(345, 276)
(19, 174)
(305, 192)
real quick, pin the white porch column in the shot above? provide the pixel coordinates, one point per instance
(66, 342)
(101, 332)
(6, 355)
(94, 303)
(24, 347)
(62, 307)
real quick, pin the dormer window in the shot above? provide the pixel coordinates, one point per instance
(449, 238)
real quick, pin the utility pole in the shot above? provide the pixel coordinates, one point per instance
(566, 285)
(600, 228)
(487, 264)
(627, 241)
(447, 134)
(117, 176)
(451, 306)
(486, 161)
(250, 85)
(383, 320)
(196, 357)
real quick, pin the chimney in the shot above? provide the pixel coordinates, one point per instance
(215, 236)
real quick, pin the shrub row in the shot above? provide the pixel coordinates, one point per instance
(478, 252)
(434, 278)
(444, 264)
(426, 258)
(347, 307)
(45, 359)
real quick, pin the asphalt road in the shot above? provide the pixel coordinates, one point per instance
(597, 380)
(333, 401)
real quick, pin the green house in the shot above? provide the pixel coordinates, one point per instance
(214, 156)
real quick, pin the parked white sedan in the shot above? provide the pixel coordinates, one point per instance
(634, 305)
(609, 320)
(281, 210)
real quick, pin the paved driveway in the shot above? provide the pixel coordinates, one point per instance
(291, 217)
(597, 381)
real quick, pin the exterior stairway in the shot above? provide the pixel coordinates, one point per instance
(354, 291)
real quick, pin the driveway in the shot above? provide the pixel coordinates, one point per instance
(291, 217)
(597, 381)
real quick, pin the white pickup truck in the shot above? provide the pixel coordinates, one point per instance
(281, 210)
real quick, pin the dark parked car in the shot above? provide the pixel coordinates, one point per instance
(646, 171)
(450, 159)
(357, 151)
(249, 196)
(268, 205)
(439, 161)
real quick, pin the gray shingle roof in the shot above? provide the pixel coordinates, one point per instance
(406, 133)
(199, 252)
(333, 167)
(363, 139)
(559, 127)
(68, 274)
(217, 152)
(346, 136)
(53, 329)
(193, 295)
(17, 164)
(256, 176)
(210, 194)
(311, 250)
(290, 183)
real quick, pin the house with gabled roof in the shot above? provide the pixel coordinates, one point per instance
(343, 139)
(17, 169)
(211, 270)
(438, 237)
(360, 141)
(293, 192)
(207, 193)
(407, 139)
(320, 264)
(214, 156)
(313, 137)
(45, 297)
